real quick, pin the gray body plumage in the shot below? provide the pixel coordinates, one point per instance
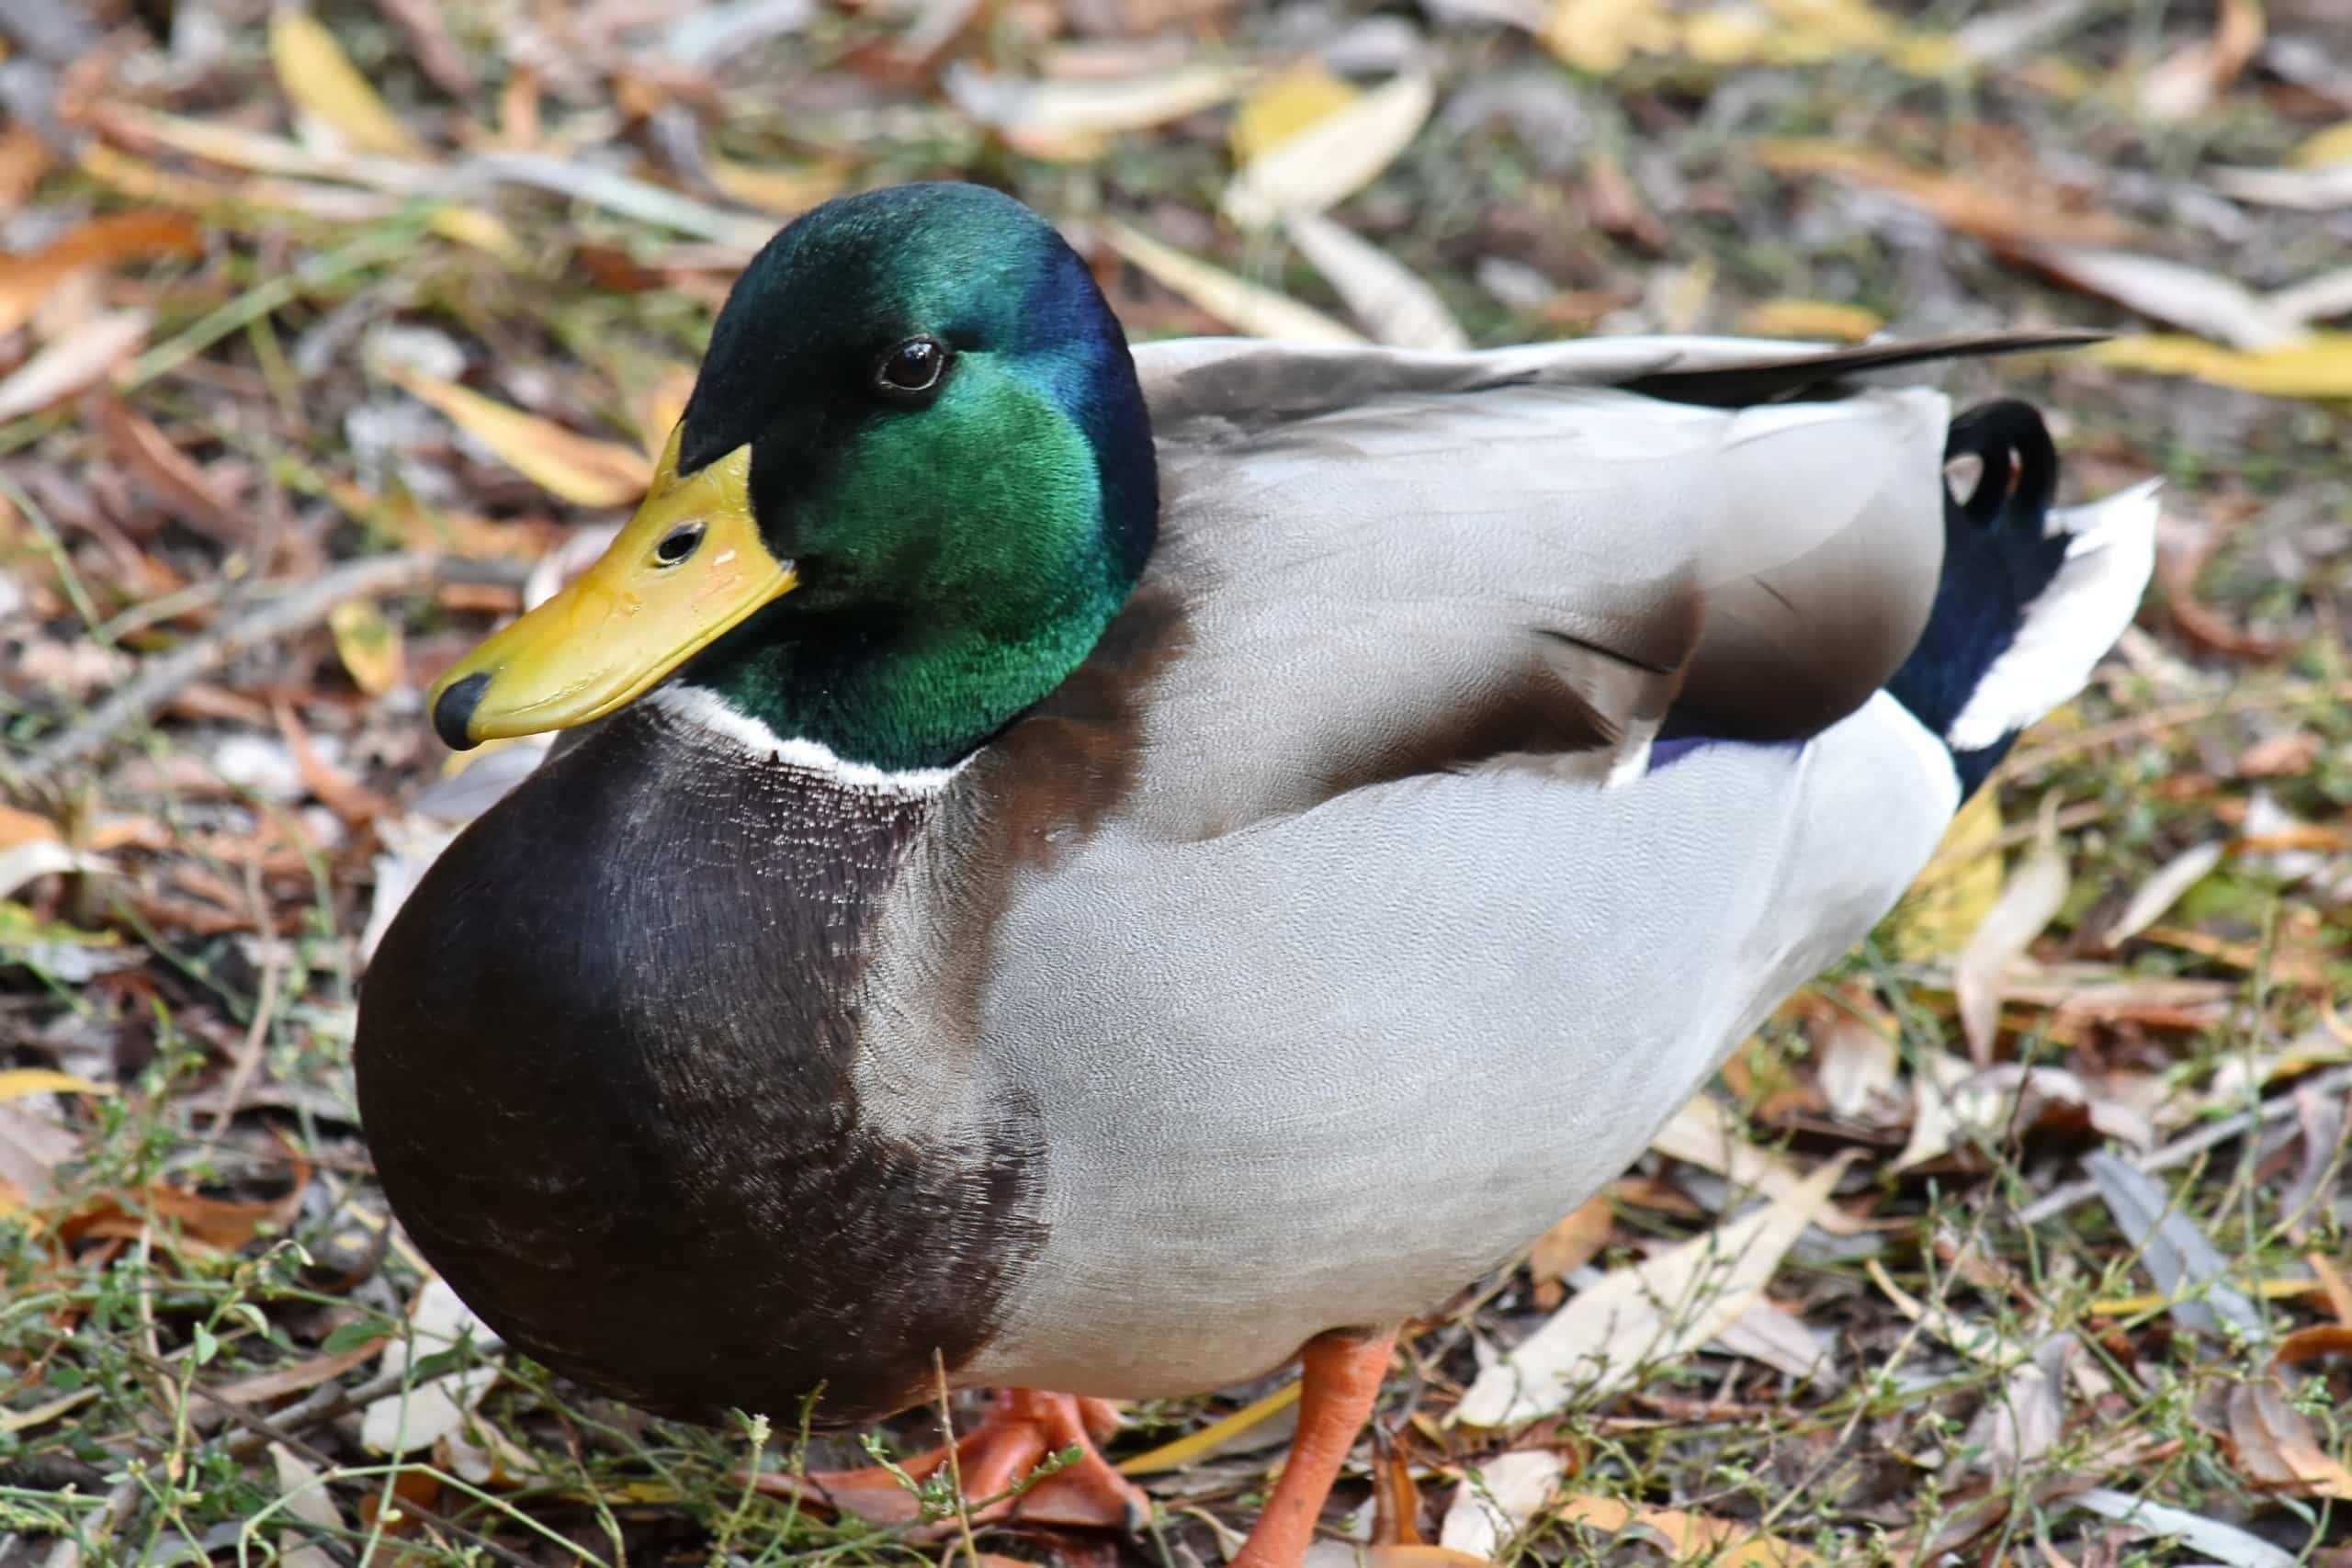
(1326, 1020)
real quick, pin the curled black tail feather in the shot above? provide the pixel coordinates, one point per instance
(1998, 557)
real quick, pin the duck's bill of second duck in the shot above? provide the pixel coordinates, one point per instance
(689, 568)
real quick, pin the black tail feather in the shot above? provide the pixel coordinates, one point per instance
(1998, 557)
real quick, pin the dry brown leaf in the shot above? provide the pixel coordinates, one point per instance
(2205, 303)
(222, 1225)
(2191, 80)
(25, 827)
(136, 442)
(322, 83)
(1658, 1310)
(2339, 1297)
(1068, 121)
(1566, 1247)
(1853, 1042)
(2163, 890)
(279, 1381)
(1397, 306)
(2275, 1448)
(1971, 207)
(73, 364)
(580, 469)
(307, 1501)
(26, 281)
(1701, 1132)
(2305, 190)
(1333, 158)
(24, 159)
(2318, 366)
(400, 1423)
(1245, 307)
(1688, 1536)
(1776, 1338)
(1496, 1500)
(1943, 1105)
(238, 147)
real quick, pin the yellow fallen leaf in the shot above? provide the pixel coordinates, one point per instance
(324, 84)
(1957, 888)
(1333, 158)
(1600, 36)
(1245, 307)
(485, 232)
(2322, 148)
(369, 646)
(1811, 319)
(773, 187)
(1727, 35)
(2319, 365)
(580, 469)
(1286, 105)
(17, 1082)
(1184, 1450)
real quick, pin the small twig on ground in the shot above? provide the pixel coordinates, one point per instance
(297, 610)
(265, 1431)
(2183, 1149)
(954, 1460)
(251, 1051)
(324, 1406)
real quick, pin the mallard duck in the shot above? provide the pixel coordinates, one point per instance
(1104, 870)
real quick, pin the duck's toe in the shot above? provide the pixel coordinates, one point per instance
(994, 1464)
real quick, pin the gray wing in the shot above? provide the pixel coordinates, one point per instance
(1375, 565)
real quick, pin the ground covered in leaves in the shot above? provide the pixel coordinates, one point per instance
(329, 336)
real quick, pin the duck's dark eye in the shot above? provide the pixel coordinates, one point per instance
(915, 365)
(678, 544)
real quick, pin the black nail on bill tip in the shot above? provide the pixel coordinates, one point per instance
(455, 711)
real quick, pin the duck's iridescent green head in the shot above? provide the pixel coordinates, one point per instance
(912, 486)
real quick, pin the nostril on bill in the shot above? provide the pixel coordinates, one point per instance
(455, 711)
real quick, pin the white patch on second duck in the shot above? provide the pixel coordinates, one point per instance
(2110, 551)
(709, 711)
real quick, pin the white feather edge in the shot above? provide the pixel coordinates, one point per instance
(2110, 553)
(714, 714)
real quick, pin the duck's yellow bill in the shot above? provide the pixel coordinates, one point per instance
(689, 567)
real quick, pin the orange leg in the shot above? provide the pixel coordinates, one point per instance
(1021, 1431)
(1341, 1379)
